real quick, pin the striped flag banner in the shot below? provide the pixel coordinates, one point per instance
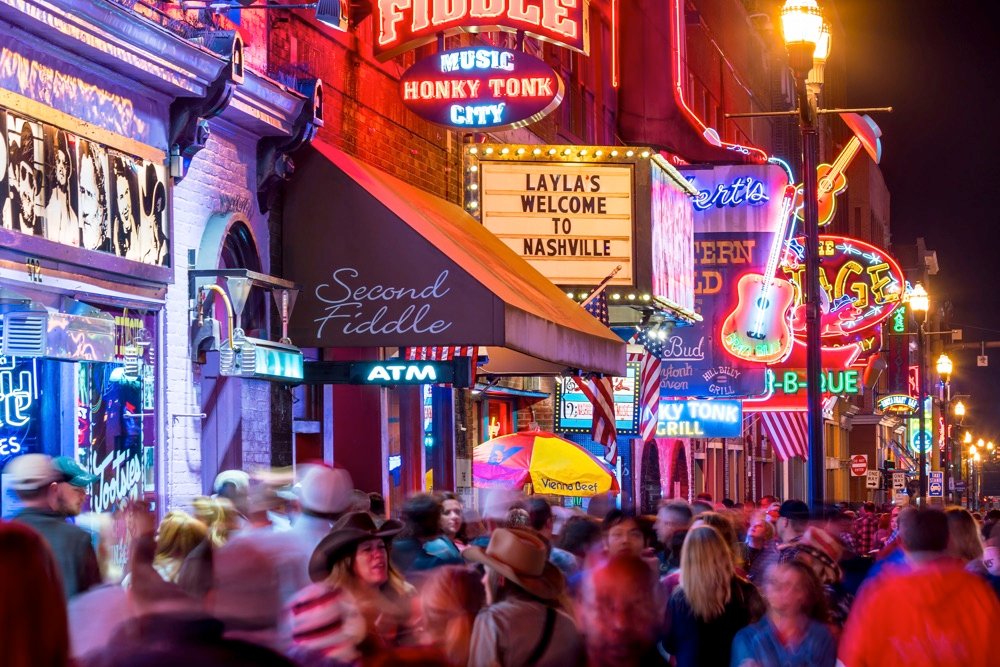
(788, 432)
(649, 395)
(440, 353)
(601, 394)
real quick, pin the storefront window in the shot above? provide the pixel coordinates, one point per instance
(499, 418)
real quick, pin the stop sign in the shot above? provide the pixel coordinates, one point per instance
(859, 465)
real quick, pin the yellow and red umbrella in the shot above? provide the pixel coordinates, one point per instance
(552, 465)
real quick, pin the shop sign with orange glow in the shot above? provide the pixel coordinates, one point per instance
(862, 285)
(481, 88)
(401, 25)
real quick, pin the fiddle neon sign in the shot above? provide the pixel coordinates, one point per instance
(401, 25)
(481, 88)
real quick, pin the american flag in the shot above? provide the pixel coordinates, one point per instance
(440, 353)
(600, 392)
(649, 395)
(788, 432)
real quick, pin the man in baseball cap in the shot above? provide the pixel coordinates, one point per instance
(50, 491)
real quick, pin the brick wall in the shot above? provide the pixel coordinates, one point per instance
(222, 179)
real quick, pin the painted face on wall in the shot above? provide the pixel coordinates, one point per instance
(25, 182)
(62, 168)
(92, 213)
(124, 198)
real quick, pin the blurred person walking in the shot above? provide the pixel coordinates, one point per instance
(541, 520)
(450, 599)
(177, 536)
(865, 529)
(760, 551)
(522, 625)
(673, 518)
(422, 545)
(327, 627)
(452, 519)
(964, 541)
(794, 633)
(50, 491)
(355, 557)
(33, 628)
(618, 613)
(932, 613)
(711, 604)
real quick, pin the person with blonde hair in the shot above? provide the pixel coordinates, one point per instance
(711, 604)
(179, 533)
(450, 598)
(219, 516)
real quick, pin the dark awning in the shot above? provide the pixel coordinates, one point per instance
(385, 264)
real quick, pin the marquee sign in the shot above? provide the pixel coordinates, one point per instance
(573, 221)
(481, 88)
(897, 404)
(401, 25)
(862, 285)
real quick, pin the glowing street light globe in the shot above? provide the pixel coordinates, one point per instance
(944, 365)
(968, 437)
(919, 299)
(801, 22)
(960, 412)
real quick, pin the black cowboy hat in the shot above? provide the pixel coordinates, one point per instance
(349, 531)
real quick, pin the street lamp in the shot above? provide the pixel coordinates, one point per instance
(920, 303)
(968, 437)
(944, 368)
(973, 477)
(802, 28)
(959, 409)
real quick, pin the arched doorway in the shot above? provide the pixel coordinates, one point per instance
(650, 491)
(236, 429)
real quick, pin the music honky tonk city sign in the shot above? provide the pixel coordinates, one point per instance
(401, 25)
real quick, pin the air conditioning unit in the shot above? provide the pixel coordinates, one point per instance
(24, 333)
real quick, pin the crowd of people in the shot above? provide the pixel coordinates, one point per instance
(271, 570)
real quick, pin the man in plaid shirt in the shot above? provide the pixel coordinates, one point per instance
(865, 527)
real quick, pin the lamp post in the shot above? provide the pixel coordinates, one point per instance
(808, 46)
(974, 464)
(944, 369)
(920, 303)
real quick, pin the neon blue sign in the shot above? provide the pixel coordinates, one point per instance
(745, 190)
(18, 400)
(700, 419)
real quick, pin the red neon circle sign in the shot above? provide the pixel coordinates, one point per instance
(481, 88)
(862, 284)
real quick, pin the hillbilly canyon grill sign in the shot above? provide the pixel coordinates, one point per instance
(406, 24)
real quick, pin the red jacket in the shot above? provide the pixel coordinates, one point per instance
(933, 615)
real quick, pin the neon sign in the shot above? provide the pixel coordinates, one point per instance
(481, 88)
(897, 404)
(700, 419)
(791, 382)
(742, 191)
(899, 320)
(401, 25)
(861, 284)
(404, 373)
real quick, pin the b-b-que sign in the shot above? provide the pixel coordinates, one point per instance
(481, 88)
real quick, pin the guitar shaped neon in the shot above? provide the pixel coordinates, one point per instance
(830, 178)
(758, 329)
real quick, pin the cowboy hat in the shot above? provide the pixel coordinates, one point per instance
(350, 531)
(521, 555)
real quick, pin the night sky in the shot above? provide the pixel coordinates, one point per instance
(937, 62)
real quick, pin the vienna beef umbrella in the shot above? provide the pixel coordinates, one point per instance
(552, 465)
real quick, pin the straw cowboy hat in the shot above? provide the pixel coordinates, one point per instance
(521, 555)
(350, 531)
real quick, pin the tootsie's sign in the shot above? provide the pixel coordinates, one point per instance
(401, 25)
(482, 88)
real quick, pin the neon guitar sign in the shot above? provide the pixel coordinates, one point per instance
(759, 328)
(830, 178)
